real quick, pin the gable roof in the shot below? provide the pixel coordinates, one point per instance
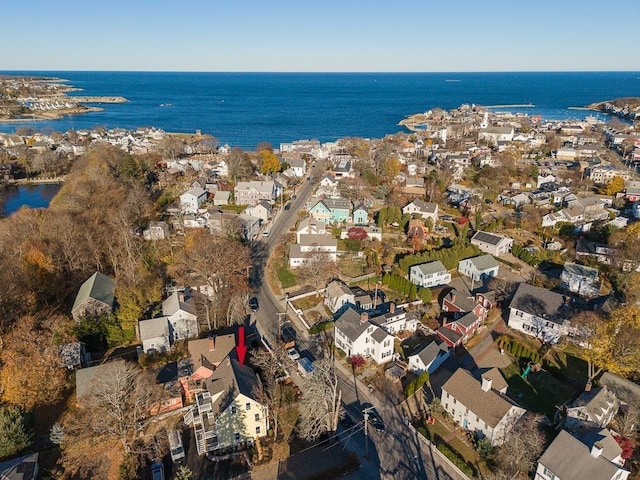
(580, 270)
(379, 335)
(431, 351)
(153, 328)
(176, 301)
(97, 286)
(349, 323)
(489, 405)
(570, 459)
(483, 262)
(539, 302)
(231, 378)
(430, 267)
(486, 237)
(209, 352)
(595, 401)
(20, 468)
(426, 207)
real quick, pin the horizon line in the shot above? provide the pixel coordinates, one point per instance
(408, 72)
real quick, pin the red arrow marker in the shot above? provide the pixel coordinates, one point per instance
(241, 350)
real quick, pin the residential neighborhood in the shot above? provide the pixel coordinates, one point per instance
(467, 290)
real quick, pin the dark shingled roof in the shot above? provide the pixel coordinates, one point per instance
(21, 468)
(451, 335)
(540, 302)
(486, 237)
(349, 323)
(490, 406)
(379, 335)
(231, 378)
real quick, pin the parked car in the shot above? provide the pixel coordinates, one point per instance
(266, 233)
(253, 304)
(157, 470)
(293, 354)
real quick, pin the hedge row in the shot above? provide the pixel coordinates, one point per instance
(518, 350)
(457, 460)
(400, 284)
(449, 256)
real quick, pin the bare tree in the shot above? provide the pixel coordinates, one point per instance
(271, 393)
(120, 400)
(320, 405)
(525, 443)
(318, 268)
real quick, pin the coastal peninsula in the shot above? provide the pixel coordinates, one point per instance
(627, 107)
(44, 98)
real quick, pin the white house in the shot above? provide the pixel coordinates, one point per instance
(580, 279)
(429, 357)
(154, 335)
(298, 166)
(356, 335)
(493, 135)
(312, 246)
(479, 268)
(337, 295)
(310, 225)
(395, 320)
(156, 231)
(226, 411)
(191, 201)
(250, 193)
(491, 243)
(221, 197)
(261, 210)
(540, 313)
(596, 457)
(422, 208)
(479, 407)
(429, 274)
(595, 407)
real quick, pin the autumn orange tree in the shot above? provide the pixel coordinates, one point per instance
(32, 373)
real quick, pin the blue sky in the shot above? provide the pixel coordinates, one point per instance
(321, 35)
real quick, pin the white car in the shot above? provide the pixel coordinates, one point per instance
(293, 354)
(266, 233)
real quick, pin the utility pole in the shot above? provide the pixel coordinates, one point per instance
(366, 429)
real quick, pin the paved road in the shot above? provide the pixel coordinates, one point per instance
(267, 316)
(395, 453)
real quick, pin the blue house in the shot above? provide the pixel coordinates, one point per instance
(330, 210)
(360, 215)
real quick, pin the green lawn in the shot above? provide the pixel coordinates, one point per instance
(286, 277)
(307, 302)
(540, 392)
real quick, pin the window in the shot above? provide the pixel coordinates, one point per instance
(237, 437)
(257, 417)
(257, 430)
(233, 410)
(466, 411)
(549, 473)
(454, 401)
(247, 406)
(477, 419)
(519, 313)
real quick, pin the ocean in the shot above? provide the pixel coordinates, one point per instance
(243, 109)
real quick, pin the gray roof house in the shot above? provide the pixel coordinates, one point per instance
(580, 279)
(568, 458)
(596, 407)
(95, 297)
(479, 268)
(430, 274)
(491, 243)
(541, 313)
(226, 411)
(356, 335)
(154, 335)
(429, 357)
(422, 208)
(477, 406)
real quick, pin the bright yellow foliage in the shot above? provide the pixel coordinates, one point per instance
(615, 342)
(269, 162)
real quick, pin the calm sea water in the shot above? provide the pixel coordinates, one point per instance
(243, 109)
(34, 196)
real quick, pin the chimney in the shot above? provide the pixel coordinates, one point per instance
(486, 384)
(587, 387)
(212, 344)
(392, 307)
(364, 317)
(181, 297)
(453, 296)
(596, 450)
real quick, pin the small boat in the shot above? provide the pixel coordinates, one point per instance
(166, 104)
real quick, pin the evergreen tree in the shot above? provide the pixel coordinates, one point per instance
(14, 434)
